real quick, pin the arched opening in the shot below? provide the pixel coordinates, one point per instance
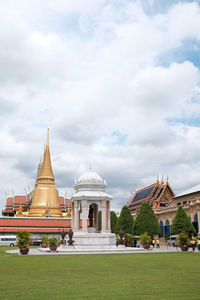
(195, 223)
(93, 216)
(167, 228)
(161, 229)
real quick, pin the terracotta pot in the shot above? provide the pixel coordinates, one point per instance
(146, 246)
(44, 245)
(24, 251)
(184, 247)
(53, 247)
(129, 245)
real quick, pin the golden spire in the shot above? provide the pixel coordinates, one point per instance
(46, 171)
(162, 180)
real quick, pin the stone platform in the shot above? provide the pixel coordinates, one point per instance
(94, 240)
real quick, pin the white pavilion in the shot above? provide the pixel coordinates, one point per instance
(89, 198)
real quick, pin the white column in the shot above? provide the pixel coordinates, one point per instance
(103, 215)
(84, 215)
(72, 224)
(76, 217)
(108, 215)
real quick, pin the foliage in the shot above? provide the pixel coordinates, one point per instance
(99, 220)
(146, 221)
(54, 241)
(183, 238)
(117, 237)
(113, 221)
(45, 239)
(125, 221)
(23, 238)
(129, 238)
(182, 222)
(145, 238)
(167, 235)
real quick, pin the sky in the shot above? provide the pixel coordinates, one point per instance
(116, 81)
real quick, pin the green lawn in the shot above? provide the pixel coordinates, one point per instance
(119, 276)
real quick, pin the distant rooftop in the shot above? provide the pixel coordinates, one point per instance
(192, 190)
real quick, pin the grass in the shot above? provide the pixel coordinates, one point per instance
(119, 276)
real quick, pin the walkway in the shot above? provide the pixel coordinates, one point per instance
(43, 251)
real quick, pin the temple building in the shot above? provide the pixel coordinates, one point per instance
(158, 194)
(41, 210)
(189, 200)
(165, 204)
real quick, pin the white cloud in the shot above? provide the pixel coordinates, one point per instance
(91, 71)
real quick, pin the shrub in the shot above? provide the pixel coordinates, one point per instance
(23, 238)
(146, 221)
(145, 238)
(129, 238)
(54, 241)
(125, 221)
(183, 238)
(45, 239)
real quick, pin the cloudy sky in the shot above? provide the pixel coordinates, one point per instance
(116, 81)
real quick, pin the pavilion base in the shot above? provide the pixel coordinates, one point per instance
(84, 240)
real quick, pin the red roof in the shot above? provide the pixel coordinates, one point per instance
(20, 199)
(10, 201)
(15, 229)
(35, 222)
(34, 225)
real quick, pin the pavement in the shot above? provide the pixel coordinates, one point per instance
(75, 251)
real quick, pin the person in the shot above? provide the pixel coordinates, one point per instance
(153, 243)
(192, 242)
(198, 244)
(157, 243)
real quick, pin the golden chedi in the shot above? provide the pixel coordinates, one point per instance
(45, 195)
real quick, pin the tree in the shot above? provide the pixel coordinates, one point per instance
(125, 221)
(113, 221)
(146, 221)
(182, 223)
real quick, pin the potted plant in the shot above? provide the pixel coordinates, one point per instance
(23, 241)
(183, 241)
(129, 240)
(45, 241)
(145, 240)
(53, 243)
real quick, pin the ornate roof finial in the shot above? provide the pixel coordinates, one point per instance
(47, 142)
(157, 181)
(162, 180)
(167, 179)
(46, 171)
